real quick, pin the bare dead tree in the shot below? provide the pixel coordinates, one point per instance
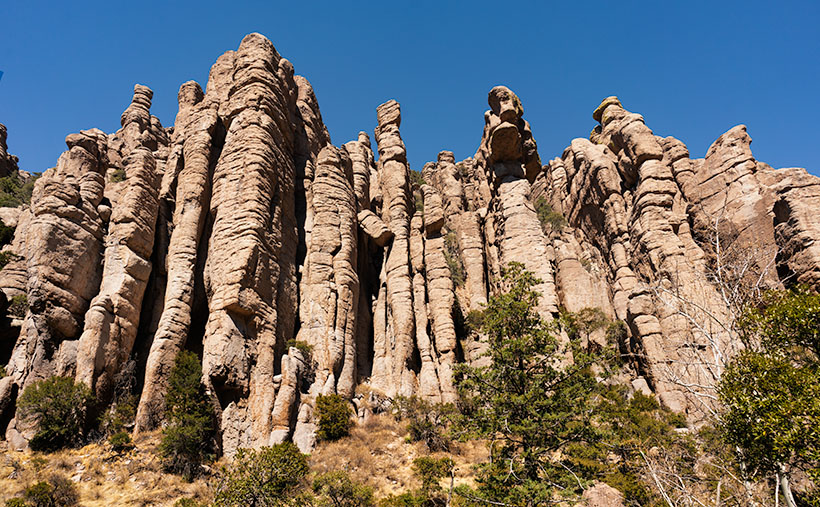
(734, 276)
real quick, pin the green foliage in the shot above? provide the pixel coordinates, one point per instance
(773, 412)
(550, 220)
(416, 179)
(117, 175)
(530, 407)
(120, 415)
(263, 477)
(188, 502)
(56, 492)
(14, 192)
(452, 255)
(16, 502)
(6, 234)
(6, 257)
(771, 395)
(406, 499)
(58, 406)
(187, 441)
(337, 489)
(121, 442)
(304, 348)
(38, 462)
(418, 201)
(616, 332)
(425, 422)
(474, 321)
(785, 319)
(334, 417)
(18, 305)
(580, 325)
(2, 371)
(430, 471)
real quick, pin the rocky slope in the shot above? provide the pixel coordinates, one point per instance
(241, 231)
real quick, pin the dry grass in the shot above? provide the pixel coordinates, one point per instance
(102, 477)
(378, 454)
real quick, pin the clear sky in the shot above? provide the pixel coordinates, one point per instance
(693, 69)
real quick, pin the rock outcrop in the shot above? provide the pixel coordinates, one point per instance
(8, 162)
(295, 268)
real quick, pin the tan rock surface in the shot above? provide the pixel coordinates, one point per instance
(8, 162)
(394, 341)
(242, 229)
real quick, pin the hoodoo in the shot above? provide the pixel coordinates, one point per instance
(296, 268)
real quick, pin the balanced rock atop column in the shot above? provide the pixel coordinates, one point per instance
(509, 158)
(294, 268)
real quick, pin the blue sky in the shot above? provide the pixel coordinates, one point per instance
(693, 69)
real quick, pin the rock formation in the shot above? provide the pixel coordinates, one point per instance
(295, 268)
(8, 162)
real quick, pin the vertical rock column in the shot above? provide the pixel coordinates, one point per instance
(509, 157)
(330, 288)
(373, 236)
(445, 177)
(111, 321)
(394, 324)
(429, 386)
(251, 210)
(440, 293)
(188, 170)
(8, 163)
(63, 251)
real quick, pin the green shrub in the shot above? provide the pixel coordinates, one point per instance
(452, 255)
(38, 462)
(7, 257)
(58, 405)
(416, 179)
(56, 492)
(334, 414)
(406, 499)
(121, 442)
(339, 490)
(304, 348)
(425, 422)
(188, 502)
(430, 471)
(474, 321)
(266, 476)
(550, 220)
(188, 440)
(18, 305)
(117, 175)
(119, 416)
(580, 325)
(418, 201)
(13, 192)
(6, 234)
(16, 502)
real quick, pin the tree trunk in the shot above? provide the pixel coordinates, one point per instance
(788, 498)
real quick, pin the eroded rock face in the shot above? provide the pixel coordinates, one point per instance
(394, 339)
(296, 268)
(113, 316)
(508, 156)
(8, 162)
(330, 284)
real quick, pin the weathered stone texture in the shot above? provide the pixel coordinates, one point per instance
(242, 234)
(8, 162)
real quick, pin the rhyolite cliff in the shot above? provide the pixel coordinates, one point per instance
(242, 230)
